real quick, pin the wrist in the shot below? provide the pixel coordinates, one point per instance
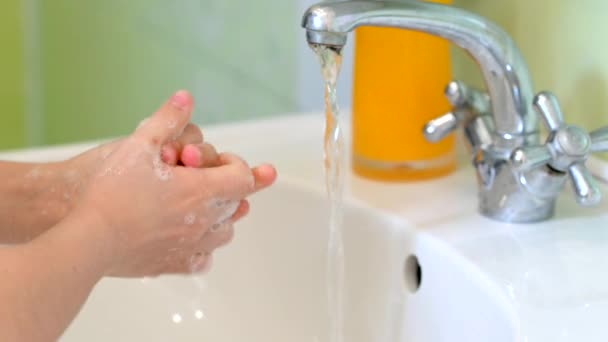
(62, 185)
(33, 200)
(44, 189)
(54, 190)
(86, 234)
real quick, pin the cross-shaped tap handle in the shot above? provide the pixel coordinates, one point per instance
(466, 102)
(566, 149)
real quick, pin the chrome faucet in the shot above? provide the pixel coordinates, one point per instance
(519, 177)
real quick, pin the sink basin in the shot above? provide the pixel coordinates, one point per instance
(270, 285)
(480, 280)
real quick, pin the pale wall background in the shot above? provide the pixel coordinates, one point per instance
(92, 69)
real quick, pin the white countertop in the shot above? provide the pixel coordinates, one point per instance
(553, 272)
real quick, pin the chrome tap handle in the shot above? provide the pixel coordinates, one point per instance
(439, 128)
(599, 140)
(466, 102)
(566, 150)
(459, 94)
(548, 108)
(585, 187)
(524, 159)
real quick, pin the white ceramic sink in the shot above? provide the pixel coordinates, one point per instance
(270, 285)
(481, 280)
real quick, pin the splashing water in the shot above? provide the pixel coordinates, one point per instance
(331, 61)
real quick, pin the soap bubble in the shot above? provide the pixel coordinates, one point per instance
(162, 170)
(190, 219)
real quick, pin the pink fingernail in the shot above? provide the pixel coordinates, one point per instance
(180, 99)
(191, 156)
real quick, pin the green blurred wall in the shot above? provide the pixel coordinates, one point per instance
(101, 66)
(12, 88)
(108, 64)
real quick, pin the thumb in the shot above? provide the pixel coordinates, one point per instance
(169, 121)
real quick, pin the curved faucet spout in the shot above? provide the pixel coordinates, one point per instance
(504, 70)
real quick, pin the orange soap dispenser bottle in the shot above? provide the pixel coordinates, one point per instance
(399, 77)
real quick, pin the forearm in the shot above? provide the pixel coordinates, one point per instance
(33, 197)
(46, 282)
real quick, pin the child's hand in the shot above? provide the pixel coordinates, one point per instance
(157, 217)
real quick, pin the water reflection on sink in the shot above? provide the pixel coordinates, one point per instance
(270, 285)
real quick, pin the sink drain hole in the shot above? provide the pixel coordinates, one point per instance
(412, 273)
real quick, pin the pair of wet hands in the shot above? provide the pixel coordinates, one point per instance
(175, 199)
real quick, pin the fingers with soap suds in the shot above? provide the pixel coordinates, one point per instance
(168, 122)
(162, 170)
(217, 238)
(201, 262)
(241, 211)
(172, 151)
(233, 179)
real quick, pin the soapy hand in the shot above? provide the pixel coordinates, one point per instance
(188, 149)
(52, 190)
(159, 201)
(158, 216)
(60, 184)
